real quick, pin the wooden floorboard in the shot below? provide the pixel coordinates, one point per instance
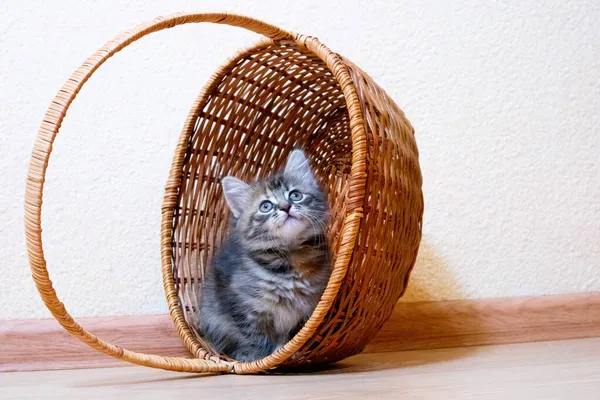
(43, 344)
(460, 323)
(568, 370)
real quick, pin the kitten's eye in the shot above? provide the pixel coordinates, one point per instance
(265, 206)
(295, 196)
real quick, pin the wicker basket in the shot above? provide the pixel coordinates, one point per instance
(288, 90)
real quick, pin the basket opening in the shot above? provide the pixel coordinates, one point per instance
(266, 101)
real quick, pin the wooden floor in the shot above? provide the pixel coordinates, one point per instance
(543, 370)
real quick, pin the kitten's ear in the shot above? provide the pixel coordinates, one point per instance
(297, 165)
(237, 194)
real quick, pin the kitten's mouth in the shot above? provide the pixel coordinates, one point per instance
(292, 214)
(289, 221)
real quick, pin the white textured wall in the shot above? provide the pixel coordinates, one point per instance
(504, 95)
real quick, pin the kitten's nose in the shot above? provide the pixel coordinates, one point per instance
(285, 207)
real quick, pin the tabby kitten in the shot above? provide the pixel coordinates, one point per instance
(271, 270)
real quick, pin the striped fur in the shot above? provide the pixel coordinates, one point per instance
(271, 270)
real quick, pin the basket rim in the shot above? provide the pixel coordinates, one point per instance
(40, 156)
(349, 229)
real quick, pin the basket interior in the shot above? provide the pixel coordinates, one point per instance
(255, 110)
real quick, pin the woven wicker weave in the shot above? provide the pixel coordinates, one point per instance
(288, 90)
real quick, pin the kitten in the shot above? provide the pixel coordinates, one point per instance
(271, 270)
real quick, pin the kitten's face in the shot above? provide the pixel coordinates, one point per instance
(285, 208)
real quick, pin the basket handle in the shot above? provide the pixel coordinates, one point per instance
(37, 173)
